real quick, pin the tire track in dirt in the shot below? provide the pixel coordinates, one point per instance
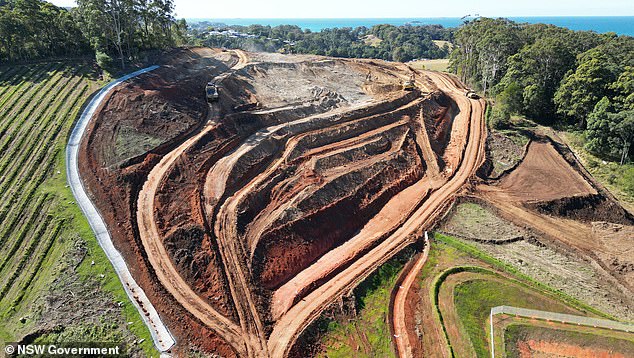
(159, 258)
(401, 335)
(290, 325)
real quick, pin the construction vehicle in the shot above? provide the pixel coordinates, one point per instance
(212, 92)
(471, 94)
(409, 85)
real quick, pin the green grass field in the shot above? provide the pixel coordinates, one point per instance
(46, 246)
(474, 300)
(441, 64)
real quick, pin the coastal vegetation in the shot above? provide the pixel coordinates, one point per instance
(554, 76)
(115, 32)
(388, 42)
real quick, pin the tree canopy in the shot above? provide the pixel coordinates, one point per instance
(119, 29)
(33, 29)
(552, 75)
(388, 42)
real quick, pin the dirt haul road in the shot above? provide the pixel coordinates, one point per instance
(401, 335)
(466, 167)
(465, 152)
(288, 328)
(159, 258)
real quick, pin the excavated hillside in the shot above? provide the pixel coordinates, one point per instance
(244, 218)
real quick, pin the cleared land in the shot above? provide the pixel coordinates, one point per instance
(262, 164)
(440, 65)
(247, 218)
(53, 272)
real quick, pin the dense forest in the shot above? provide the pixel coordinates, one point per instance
(112, 30)
(555, 76)
(395, 43)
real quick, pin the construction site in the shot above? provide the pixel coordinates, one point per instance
(254, 196)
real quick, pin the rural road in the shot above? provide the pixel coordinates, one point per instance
(401, 337)
(161, 336)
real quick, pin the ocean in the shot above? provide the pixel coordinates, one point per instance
(622, 25)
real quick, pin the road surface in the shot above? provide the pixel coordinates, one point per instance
(401, 336)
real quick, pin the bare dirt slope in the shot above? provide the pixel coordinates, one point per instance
(244, 219)
(544, 175)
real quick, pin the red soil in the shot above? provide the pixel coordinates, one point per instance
(216, 206)
(544, 175)
(544, 349)
(149, 101)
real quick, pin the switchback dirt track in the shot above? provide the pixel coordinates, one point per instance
(302, 193)
(472, 159)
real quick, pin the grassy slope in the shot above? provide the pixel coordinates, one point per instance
(619, 179)
(473, 300)
(368, 335)
(56, 271)
(508, 269)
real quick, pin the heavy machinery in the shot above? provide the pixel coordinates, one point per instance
(409, 85)
(212, 92)
(471, 94)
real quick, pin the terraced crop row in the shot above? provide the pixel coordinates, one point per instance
(39, 127)
(38, 104)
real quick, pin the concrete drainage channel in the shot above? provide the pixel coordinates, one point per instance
(163, 339)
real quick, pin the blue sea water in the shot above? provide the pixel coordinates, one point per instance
(622, 25)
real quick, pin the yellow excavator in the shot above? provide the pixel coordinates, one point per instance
(410, 84)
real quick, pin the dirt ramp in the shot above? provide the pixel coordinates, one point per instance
(587, 208)
(544, 175)
(331, 215)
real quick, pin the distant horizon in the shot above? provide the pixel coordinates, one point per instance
(336, 9)
(621, 25)
(391, 17)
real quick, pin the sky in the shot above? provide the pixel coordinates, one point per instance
(387, 8)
